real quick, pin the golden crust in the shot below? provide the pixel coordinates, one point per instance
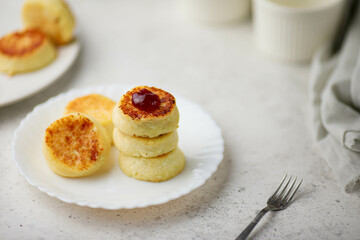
(94, 105)
(135, 122)
(167, 104)
(76, 145)
(25, 51)
(18, 44)
(70, 135)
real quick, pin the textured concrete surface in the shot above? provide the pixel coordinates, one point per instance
(261, 106)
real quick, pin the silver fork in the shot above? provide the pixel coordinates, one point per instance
(275, 202)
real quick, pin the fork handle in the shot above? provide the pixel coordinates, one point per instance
(244, 234)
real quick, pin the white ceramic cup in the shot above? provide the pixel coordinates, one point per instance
(215, 11)
(292, 30)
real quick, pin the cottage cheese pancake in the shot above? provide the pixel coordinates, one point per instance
(96, 106)
(146, 112)
(25, 51)
(53, 17)
(145, 147)
(76, 145)
(157, 169)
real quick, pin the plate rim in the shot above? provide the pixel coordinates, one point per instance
(140, 204)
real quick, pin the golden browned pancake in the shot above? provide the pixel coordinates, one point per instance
(136, 122)
(167, 104)
(25, 51)
(53, 17)
(96, 106)
(157, 169)
(76, 145)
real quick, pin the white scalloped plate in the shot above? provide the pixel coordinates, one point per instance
(21, 86)
(199, 138)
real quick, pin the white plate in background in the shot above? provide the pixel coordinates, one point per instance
(23, 85)
(199, 138)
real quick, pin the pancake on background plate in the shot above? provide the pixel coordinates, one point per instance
(53, 17)
(25, 51)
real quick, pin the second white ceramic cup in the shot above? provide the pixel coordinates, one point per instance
(293, 30)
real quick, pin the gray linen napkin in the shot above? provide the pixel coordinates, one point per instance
(335, 102)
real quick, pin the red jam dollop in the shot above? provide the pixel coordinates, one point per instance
(146, 100)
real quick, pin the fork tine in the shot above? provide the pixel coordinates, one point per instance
(283, 191)
(289, 191)
(282, 181)
(292, 195)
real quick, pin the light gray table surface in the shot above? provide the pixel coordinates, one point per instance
(261, 106)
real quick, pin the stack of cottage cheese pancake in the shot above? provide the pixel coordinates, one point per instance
(142, 125)
(145, 132)
(47, 24)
